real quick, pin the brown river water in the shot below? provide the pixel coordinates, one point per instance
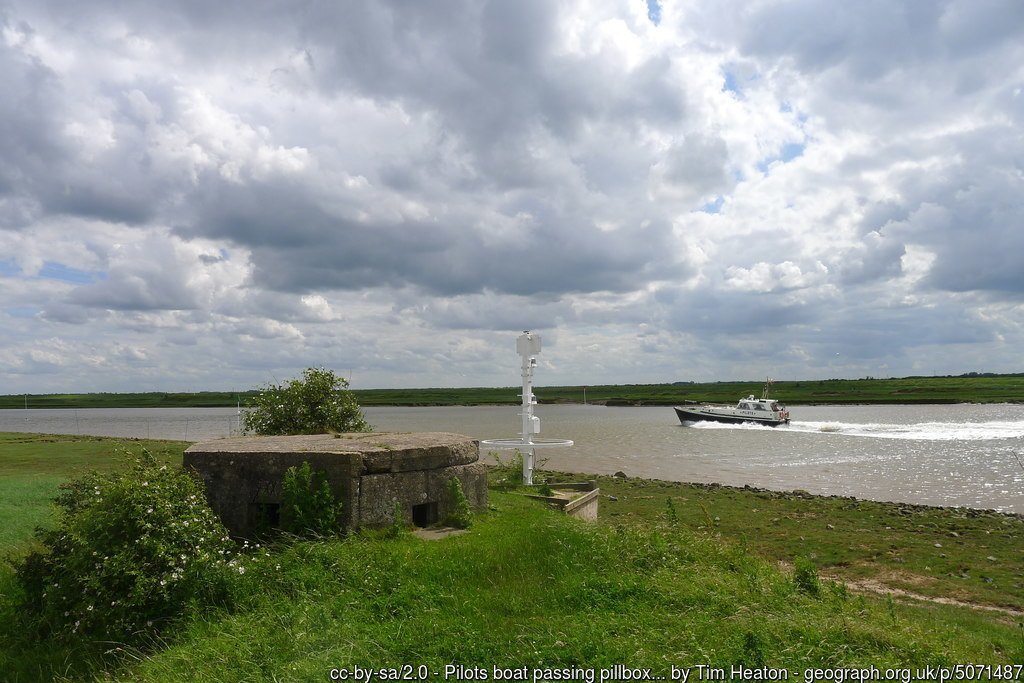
(965, 455)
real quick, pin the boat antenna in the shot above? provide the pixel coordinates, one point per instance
(768, 381)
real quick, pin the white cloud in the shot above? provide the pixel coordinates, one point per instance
(246, 190)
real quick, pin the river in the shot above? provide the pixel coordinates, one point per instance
(966, 455)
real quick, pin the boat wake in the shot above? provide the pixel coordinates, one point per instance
(921, 431)
(725, 425)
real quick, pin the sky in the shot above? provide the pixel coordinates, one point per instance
(215, 195)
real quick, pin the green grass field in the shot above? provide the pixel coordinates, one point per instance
(32, 466)
(962, 389)
(709, 585)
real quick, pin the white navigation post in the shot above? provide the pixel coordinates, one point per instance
(528, 346)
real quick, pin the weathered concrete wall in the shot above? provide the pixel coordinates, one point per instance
(369, 474)
(582, 506)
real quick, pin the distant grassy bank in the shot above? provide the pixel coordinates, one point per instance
(970, 388)
(151, 399)
(671, 575)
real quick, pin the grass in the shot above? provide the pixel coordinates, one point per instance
(969, 555)
(972, 388)
(530, 587)
(32, 467)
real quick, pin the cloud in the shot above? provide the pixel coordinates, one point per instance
(396, 188)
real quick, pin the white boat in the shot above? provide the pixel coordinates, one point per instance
(764, 411)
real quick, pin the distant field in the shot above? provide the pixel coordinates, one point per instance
(152, 399)
(966, 389)
(962, 389)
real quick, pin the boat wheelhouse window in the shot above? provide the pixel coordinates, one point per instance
(775, 406)
(744, 406)
(759, 406)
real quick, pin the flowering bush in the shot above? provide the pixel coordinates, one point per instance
(131, 550)
(318, 403)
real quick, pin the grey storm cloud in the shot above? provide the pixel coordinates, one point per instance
(28, 146)
(297, 245)
(400, 185)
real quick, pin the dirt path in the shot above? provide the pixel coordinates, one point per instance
(878, 588)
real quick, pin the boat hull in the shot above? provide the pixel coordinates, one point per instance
(693, 415)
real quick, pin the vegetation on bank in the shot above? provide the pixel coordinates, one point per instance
(318, 403)
(672, 575)
(131, 551)
(963, 389)
(974, 556)
(969, 388)
(148, 399)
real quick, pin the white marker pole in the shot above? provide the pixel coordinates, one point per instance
(528, 346)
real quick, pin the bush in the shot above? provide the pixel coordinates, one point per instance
(459, 514)
(318, 403)
(308, 507)
(398, 524)
(805, 576)
(131, 550)
(507, 474)
(671, 514)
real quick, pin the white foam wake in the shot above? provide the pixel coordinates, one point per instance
(921, 431)
(729, 425)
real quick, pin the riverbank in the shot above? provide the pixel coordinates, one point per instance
(672, 574)
(969, 388)
(972, 555)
